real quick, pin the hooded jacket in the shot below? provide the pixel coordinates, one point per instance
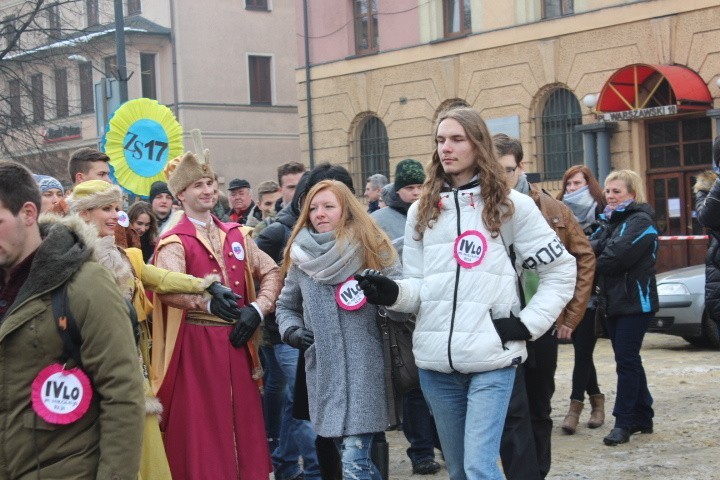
(392, 219)
(707, 206)
(105, 442)
(455, 305)
(626, 254)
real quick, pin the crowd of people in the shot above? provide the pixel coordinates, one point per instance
(210, 336)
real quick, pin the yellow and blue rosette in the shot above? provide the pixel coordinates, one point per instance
(141, 136)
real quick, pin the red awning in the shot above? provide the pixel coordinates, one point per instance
(620, 92)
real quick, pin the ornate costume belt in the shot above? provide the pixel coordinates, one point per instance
(205, 319)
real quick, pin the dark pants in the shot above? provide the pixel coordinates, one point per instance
(517, 446)
(419, 427)
(273, 395)
(633, 402)
(584, 376)
(540, 386)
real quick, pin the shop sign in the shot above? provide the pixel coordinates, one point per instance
(640, 113)
(63, 133)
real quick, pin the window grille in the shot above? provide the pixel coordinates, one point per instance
(371, 150)
(560, 144)
(366, 26)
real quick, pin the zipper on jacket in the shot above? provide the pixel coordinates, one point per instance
(457, 281)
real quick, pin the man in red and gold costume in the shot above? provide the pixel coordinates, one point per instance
(206, 371)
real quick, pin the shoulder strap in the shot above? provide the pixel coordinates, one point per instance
(66, 325)
(510, 251)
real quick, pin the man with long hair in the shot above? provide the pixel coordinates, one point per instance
(461, 282)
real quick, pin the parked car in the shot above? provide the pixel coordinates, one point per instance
(682, 307)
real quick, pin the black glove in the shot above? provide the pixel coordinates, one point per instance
(224, 302)
(299, 337)
(378, 289)
(511, 328)
(245, 327)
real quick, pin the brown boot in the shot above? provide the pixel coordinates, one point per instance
(573, 416)
(597, 414)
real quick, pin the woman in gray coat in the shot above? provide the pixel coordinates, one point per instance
(322, 310)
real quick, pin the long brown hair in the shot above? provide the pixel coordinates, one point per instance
(498, 207)
(594, 187)
(137, 209)
(356, 225)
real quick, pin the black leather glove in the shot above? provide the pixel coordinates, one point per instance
(378, 289)
(245, 327)
(299, 337)
(224, 302)
(511, 328)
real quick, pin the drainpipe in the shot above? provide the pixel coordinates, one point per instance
(308, 95)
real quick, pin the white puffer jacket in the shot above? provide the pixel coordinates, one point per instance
(454, 329)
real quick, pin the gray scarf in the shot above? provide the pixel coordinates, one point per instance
(582, 204)
(319, 256)
(522, 185)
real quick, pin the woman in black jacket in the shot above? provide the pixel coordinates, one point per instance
(707, 206)
(626, 251)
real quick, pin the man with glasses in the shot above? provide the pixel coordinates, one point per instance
(525, 445)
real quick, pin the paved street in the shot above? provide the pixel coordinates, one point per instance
(685, 382)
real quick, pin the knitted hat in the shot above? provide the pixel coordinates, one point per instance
(94, 194)
(408, 172)
(46, 182)
(156, 189)
(188, 169)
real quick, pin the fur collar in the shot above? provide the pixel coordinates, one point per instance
(704, 181)
(67, 243)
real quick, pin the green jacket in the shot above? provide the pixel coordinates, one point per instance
(105, 443)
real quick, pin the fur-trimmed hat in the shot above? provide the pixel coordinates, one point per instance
(94, 194)
(185, 170)
(408, 172)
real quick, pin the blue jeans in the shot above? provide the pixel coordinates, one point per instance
(355, 455)
(633, 402)
(273, 395)
(297, 438)
(469, 411)
(419, 427)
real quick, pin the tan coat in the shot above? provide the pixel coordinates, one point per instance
(105, 442)
(561, 219)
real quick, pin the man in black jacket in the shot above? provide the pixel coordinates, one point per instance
(707, 206)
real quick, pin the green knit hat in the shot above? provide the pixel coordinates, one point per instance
(408, 172)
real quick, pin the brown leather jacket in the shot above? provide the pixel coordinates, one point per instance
(561, 219)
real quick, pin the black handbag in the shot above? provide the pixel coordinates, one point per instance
(397, 342)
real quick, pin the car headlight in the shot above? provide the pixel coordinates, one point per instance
(672, 289)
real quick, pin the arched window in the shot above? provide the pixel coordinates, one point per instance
(370, 150)
(560, 145)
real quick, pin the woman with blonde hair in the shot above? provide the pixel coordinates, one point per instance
(626, 251)
(97, 202)
(584, 196)
(322, 312)
(460, 281)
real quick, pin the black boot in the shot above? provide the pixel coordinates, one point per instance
(380, 456)
(617, 436)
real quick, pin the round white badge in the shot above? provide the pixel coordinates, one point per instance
(470, 248)
(349, 295)
(61, 396)
(123, 219)
(238, 250)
